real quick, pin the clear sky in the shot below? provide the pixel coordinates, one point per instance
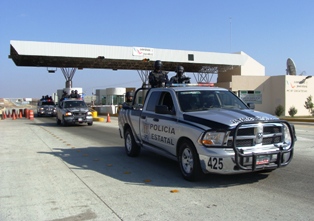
(270, 31)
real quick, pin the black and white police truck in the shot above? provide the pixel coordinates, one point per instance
(206, 129)
(73, 111)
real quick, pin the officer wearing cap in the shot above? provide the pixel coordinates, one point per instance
(128, 100)
(180, 77)
(157, 77)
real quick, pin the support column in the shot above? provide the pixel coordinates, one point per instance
(206, 74)
(68, 74)
(144, 77)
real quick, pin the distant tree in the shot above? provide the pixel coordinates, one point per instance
(309, 105)
(279, 110)
(292, 111)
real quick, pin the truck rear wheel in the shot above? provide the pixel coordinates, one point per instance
(131, 147)
(189, 161)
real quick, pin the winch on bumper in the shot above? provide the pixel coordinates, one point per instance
(258, 146)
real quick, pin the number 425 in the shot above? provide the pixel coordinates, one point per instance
(215, 163)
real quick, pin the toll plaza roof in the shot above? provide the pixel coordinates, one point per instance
(69, 55)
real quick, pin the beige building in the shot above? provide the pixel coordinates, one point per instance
(267, 92)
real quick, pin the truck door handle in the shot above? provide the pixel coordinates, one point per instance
(156, 119)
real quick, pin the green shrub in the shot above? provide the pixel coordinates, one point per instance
(309, 105)
(279, 110)
(292, 111)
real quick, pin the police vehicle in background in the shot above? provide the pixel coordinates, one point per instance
(46, 107)
(206, 129)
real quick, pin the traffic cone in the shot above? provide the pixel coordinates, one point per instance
(21, 114)
(108, 118)
(13, 115)
(4, 115)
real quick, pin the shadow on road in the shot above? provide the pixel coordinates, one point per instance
(147, 169)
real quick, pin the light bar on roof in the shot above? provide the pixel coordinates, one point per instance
(192, 85)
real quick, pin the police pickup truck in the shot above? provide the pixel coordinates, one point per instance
(73, 111)
(205, 129)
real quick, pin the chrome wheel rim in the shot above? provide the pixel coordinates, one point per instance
(187, 160)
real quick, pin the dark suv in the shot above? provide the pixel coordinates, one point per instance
(46, 107)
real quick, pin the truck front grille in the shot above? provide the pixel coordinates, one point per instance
(260, 134)
(79, 114)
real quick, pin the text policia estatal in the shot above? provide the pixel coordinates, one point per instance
(163, 129)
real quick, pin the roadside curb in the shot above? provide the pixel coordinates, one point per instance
(311, 120)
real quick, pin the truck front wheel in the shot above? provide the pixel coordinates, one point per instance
(189, 161)
(58, 121)
(131, 147)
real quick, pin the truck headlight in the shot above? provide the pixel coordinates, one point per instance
(286, 137)
(213, 138)
(68, 114)
(89, 113)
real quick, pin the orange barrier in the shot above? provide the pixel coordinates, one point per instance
(108, 118)
(26, 113)
(31, 115)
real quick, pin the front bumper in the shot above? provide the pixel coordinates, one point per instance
(225, 162)
(254, 146)
(47, 113)
(78, 119)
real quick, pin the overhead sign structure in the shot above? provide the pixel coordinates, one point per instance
(80, 56)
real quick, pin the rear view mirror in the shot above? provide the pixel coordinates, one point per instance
(251, 105)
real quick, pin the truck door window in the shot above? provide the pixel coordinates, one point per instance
(153, 101)
(166, 99)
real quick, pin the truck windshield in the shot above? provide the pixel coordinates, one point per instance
(204, 100)
(48, 103)
(75, 104)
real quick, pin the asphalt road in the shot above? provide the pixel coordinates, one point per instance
(50, 172)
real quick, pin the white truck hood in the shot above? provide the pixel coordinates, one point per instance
(227, 117)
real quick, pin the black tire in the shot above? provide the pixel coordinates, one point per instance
(189, 161)
(131, 147)
(90, 123)
(58, 121)
(63, 122)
